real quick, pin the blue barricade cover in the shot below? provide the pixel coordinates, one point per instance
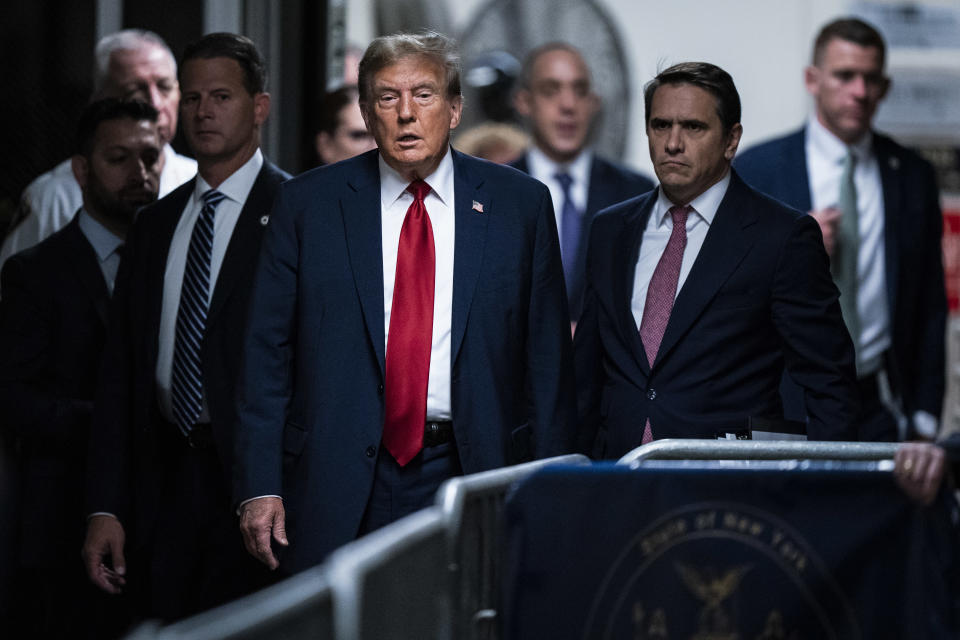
(713, 553)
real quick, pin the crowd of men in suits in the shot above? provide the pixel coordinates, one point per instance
(255, 369)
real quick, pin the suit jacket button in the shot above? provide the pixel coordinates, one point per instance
(651, 394)
(380, 389)
(371, 451)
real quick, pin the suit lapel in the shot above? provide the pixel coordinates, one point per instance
(796, 162)
(723, 249)
(244, 241)
(595, 191)
(86, 268)
(890, 178)
(470, 238)
(624, 261)
(360, 209)
(167, 212)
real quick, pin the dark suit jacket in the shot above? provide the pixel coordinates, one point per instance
(609, 184)
(913, 222)
(759, 297)
(124, 464)
(52, 330)
(312, 396)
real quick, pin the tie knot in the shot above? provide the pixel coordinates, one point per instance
(419, 189)
(212, 198)
(679, 214)
(564, 179)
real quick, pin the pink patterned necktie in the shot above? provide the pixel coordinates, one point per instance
(662, 291)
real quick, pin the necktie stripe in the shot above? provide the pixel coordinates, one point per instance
(186, 383)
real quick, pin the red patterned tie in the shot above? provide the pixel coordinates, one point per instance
(411, 332)
(662, 291)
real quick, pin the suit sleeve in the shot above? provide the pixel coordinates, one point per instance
(928, 374)
(817, 349)
(110, 453)
(550, 376)
(266, 376)
(33, 409)
(588, 361)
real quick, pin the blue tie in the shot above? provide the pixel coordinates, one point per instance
(186, 384)
(571, 223)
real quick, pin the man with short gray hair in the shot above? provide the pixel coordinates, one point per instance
(129, 64)
(408, 323)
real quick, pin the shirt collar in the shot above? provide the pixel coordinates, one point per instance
(578, 168)
(393, 185)
(705, 204)
(831, 148)
(103, 241)
(237, 186)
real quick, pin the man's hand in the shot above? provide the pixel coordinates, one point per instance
(261, 519)
(105, 538)
(828, 219)
(919, 469)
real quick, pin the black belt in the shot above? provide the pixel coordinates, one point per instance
(437, 432)
(200, 435)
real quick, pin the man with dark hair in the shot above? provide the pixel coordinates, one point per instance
(878, 207)
(162, 440)
(52, 331)
(700, 293)
(556, 98)
(408, 323)
(341, 133)
(132, 64)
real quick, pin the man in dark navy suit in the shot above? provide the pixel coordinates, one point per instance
(699, 294)
(556, 97)
(53, 325)
(160, 454)
(878, 207)
(408, 323)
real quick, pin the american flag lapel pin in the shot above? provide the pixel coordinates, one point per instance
(477, 207)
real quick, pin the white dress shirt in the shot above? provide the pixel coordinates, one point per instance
(440, 203)
(826, 155)
(236, 188)
(657, 233)
(105, 244)
(544, 169)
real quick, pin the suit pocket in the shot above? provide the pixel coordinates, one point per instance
(520, 446)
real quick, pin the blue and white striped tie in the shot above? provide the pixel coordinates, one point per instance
(186, 385)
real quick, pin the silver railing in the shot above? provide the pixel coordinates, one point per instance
(299, 607)
(680, 449)
(472, 508)
(437, 573)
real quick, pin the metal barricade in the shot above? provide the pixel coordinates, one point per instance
(472, 508)
(393, 582)
(299, 607)
(682, 449)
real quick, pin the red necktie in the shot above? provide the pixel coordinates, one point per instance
(662, 291)
(411, 332)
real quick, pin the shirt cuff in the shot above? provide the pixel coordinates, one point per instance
(102, 513)
(240, 506)
(925, 424)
